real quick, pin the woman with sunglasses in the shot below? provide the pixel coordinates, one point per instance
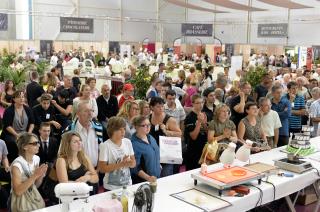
(17, 118)
(72, 163)
(25, 169)
(146, 152)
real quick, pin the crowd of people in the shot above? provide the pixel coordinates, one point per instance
(59, 130)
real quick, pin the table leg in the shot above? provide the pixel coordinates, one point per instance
(220, 193)
(316, 189)
(289, 202)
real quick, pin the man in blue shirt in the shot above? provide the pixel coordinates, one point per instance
(283, 107)
(297, 107)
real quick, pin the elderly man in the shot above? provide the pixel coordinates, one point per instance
(270, 121)
(67, 85)
(91, 132)
(107, 104)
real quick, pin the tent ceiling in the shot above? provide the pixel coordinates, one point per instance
(192, 6)
(285, 3)
(233, 5)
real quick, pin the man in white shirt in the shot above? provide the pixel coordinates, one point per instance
(173, 109)
(90, 131)
(315, 111)
(270, 121)
(54, 60)
(162, 74)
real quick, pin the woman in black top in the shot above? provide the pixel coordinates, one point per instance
(182, 77)
(7, 94)
(72, 163)
(195, 132)
(16, 119)
(162, 125)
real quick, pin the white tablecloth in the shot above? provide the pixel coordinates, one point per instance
(183, 181)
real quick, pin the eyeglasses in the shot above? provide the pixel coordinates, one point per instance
(145, 125)
(35, 143)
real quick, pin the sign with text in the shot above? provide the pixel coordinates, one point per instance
(3, 22)
(273, 30)
(77, 25)
(198, 30)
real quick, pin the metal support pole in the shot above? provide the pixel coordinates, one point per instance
(249, 23)
(287, 40)
(121, 21)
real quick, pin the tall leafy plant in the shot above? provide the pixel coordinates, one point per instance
(255, 75)
(141, 82)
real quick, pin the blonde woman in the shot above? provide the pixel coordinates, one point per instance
(85, 96)
(73, 165)
(144, 108)
(128, 111)
(221, 128)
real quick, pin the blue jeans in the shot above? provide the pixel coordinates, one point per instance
(167, 170)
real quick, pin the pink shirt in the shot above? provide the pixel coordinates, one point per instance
(190, 91)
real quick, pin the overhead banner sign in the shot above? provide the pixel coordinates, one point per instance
(77, 25)
(273, 30)
(197, 30)
(3, 22)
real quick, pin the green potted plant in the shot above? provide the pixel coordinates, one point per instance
(255, 75)
(141, 82)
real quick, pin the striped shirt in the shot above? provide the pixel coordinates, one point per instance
(297, 104)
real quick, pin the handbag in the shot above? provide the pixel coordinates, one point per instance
(30, 200)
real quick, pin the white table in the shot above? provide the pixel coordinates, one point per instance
(183, 181)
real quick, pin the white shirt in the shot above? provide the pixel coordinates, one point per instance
(179, 92)
(113, 154)
(89, 142)
(29, 167)
(270, 122)
(315, 113)
(178, 112)
(53, 60)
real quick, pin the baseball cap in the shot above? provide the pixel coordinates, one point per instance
(128, 87)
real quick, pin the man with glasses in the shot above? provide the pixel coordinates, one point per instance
(270, 121)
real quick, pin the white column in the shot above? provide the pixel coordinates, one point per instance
(22, 19)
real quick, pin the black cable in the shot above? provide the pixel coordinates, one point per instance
(260, 197)
(316, 170)
(274, 189)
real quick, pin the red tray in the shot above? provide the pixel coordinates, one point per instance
(230, 175)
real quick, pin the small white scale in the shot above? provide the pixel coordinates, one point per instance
(297, 166)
